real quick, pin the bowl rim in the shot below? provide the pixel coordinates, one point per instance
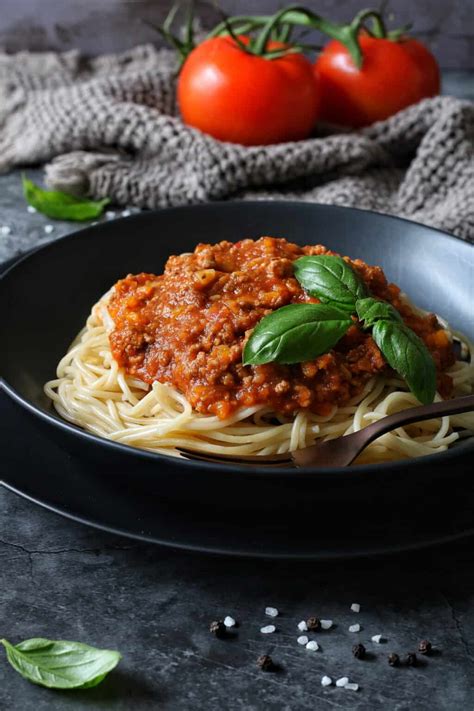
(354, 471)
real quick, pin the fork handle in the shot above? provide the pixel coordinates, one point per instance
(418, 414)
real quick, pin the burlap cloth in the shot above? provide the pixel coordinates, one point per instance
(110, 126)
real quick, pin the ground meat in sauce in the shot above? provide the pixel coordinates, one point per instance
(188, 327)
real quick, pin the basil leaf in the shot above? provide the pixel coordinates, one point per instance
(406, 353)
(295, 333)
(331, 280)
(61, 664)
(61, 206)
(371, 310)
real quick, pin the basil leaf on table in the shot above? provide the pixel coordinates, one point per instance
(371, 310)
(331, 280)
(62, 206)
(406, 353)
(295, 333)
(61, 664)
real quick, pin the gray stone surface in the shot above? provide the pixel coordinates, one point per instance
(62, 580)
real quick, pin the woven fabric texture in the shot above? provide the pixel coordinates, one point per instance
(109, 127)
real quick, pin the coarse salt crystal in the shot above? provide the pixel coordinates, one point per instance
(342, 681)
(271, 611)
(312, 646)
(126, 213)
(5, 230)
(377, 638)
(110, 214)
(268, 629)
(326, 624)
(48, 229)
(303, 639)
(302, 626)
(355, 607)
(354, 628)
(229, 621)
(31, 209)
(351, 687)
(326, 681)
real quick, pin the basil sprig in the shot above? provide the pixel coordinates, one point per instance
(301, 332)
(370, 310)
(61, 664)
(331, 280)
(295, 333)
(403, 350)
(406, 353)
(62, 206)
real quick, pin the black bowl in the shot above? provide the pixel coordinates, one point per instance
(47, 297)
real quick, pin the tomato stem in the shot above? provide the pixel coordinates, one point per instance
(294, 16)
(396, 35)
(273, 23)
(378, 25)
(279, 27)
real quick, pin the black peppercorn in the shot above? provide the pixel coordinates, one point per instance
(424, 647)
(411, 659)
(218, 629)
(358, 650)
(394, 659)
(265, 662)
(313, 624)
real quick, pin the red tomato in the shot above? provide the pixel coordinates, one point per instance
(244, 98)
(393, 76)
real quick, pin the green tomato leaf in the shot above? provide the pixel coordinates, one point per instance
(295, 333)
(61, 664)
(331, 280)
(61, 206)
(406, 353)
(371, 310)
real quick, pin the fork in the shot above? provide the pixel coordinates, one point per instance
(341, 451)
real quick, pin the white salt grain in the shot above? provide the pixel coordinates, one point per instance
(352, 687)
(326, 681)
(31, 209)
(110, 214)
(355, 607)
(312, 646)
(342, 681)
(354, 628)
(326, 624)
(271, 611)
(303, 639)
(126, 213)
(229, 621)
(48, 229)
(302, 626)
(377, 638)
(5, 230)
(268, 629)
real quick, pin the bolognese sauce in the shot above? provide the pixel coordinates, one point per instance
(188, 326)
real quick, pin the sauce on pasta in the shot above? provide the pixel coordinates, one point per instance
(187, 328)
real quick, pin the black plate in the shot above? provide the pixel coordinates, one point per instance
(50, 476)
(47, 296)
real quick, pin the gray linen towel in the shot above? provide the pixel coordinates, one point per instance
(111, 128)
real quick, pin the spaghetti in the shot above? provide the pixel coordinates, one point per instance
(92, 391)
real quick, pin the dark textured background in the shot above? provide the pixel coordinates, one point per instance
(63, 580)
(110, 25)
